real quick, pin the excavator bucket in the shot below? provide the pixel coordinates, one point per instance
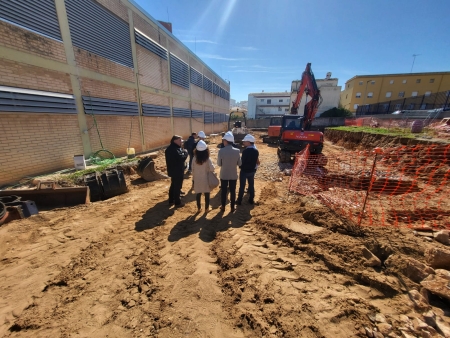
(146, 169)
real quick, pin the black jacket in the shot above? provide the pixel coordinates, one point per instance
(249, 159)
(190, 144)
(175, 157)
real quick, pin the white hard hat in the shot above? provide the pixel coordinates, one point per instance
(249, 138)
(228, 137)
(201, 134)
(201, 146)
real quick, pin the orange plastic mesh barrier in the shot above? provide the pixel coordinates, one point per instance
(403, 186)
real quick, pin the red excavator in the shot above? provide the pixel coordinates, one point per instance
(295, 132)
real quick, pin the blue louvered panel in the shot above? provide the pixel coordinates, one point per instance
(37, 15)
(216, 118)
(208, 117)
(207, 84)
(99, 106)
(181, 112)
(228, 96)
(196, 78)
(216, 89)
(31, 103)
(96, 30)
(157, 111)
(150, 45)
(197, 113)
(179, 72)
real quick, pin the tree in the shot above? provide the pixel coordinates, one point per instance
(337, 112)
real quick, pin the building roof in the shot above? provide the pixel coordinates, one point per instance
(270, 94)
(398, 74)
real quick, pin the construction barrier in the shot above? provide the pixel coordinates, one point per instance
(402, 186)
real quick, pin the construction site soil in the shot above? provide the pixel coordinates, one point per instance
(287, 266)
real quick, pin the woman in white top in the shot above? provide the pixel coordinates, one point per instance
(201, 165)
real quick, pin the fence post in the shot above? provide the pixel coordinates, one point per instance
(377, 151)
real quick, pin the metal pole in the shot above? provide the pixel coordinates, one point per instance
(377, 151)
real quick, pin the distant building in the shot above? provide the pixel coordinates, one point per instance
(232, 103)
(261, 105)
(329, 90)
(370, 89)
(242, 104)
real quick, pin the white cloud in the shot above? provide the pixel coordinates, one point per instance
(249, 48)
(218, 57)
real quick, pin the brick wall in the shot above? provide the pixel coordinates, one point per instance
(116, 7)
(34, 144)
(15, 74)
(21, 39)
(149, 30)
(182, 126)
(115, 133)
(157, 131)
(180, 90)
(154, 99)
(102, 65)
(106, 90)
(180, 104)
(153, 71)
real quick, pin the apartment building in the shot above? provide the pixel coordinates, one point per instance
(370, 89)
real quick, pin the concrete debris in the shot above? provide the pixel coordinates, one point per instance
(442, 327)
(443, 274)
(384, 328)
(418, 301)
(369, 332)
(430, 318)
(438, 286)
(442, 237)
(438, 258)
(410, 267)
(371, 259)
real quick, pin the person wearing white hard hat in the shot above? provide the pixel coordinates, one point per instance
(201, 166)
(250, 159)
(228, 160)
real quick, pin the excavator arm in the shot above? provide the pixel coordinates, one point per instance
(308, 86)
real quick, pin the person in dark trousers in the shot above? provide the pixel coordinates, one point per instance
(228, 160)
(175, 158)
(189, 145)
(250, 158)
(201, 166)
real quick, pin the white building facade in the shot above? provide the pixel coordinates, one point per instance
(329, 90)
(263, 105)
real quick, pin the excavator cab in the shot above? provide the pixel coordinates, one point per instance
(292, 122)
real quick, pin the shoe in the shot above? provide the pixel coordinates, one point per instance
(207, 210)
(222, 208)
(251, 202)
(180, 205)
(199, 210)
(182, 193)
(233, 209)
(171, 203)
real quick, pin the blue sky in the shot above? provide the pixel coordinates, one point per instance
(265, 44)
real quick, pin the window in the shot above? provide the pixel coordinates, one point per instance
(372, 82)
(346, 96)
(269, 101)
(385, 107)
(360, 83)
(431, 80)
(388, 94)
(262, 100)
(286, 109)
(418, 81)
(401, 94)
(414, 94)
(397, 106)
(411, 106)
(358, 95)
(404, 81)
(279, 109)
(355, 106)
(280, 100)
(428, 93)
(391, 82)
(348, 86)
(370, 94)
(287, 100)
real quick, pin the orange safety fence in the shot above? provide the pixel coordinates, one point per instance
(402, 186)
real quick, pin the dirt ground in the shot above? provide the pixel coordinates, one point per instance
(132, 266)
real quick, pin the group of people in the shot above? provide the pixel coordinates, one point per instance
(229, 160)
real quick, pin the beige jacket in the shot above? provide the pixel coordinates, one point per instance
(200, 175)
(229, 159)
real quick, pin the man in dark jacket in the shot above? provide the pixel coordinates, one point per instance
(175, 158)
(189, 146)
(250, 157)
